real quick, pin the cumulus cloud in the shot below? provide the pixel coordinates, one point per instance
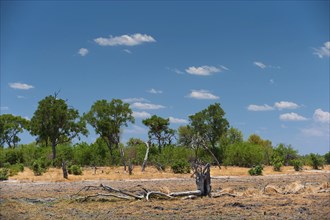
(321, 116)
(258, 108)
(130, 100)
(125, 40)
(202, 94)
(146, 106)
(203, 70)
(178, 120)
(286, 105)
(142, 114)
(323, 51)
(292, 117)
(83, 52)
(259, 64)
(22, 86)
(154, 91)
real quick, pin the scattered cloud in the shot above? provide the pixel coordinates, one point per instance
(126, 40)
(203, 70)
(22, 86)
(4, 108)
(202, 94)
(319, 131)
(292, 117)
(130, 100)
(321, 116)
(20, 97)
(142, 114)
(127, 51)
(83, 52)
(136, 130)
(285, 105)
(323, 51)
(147, 106)
(260, 64)
(178, 120)
(154, 91)
(259, 108)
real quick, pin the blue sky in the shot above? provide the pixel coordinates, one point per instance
(266, 63)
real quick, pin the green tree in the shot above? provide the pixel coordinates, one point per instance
(266, 145)
(327, 157)
(159, 130)
(10, 127)
(244, 154)
(232, 136)
(286, 153)
(210, 123)
(54, 122)
(107, 118)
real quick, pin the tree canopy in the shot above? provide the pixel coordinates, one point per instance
(10, 127)
(54, 122)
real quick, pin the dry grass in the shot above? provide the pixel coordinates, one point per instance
(118, 173)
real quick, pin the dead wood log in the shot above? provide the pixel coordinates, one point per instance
(186, 193)
(111, 189)
(203, 180)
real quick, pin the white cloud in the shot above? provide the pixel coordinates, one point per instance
(130, 100)
(285, 105)
(22, 86)
(202, 94)
(127, 51)
(258, 108)
(83, 52)
(323, 51)
(4, 108)
(317, 131)
(154, 91)
(178, 120)
(260, 65)
(135, 130)
(203, 70)
(321, 116)
(142, 114)
(148, 106)
(126, 40)
(292, 117)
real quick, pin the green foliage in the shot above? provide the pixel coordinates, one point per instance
(38, 167)
(327, 158)
(256, 171)
(4, 174)
(297, 164)
(210, 124)
(181, 166)
(10, 127)
(277, 161)
(159, 130)
(244, 155)
(75, 170)
(64, 153)
(54, 122)
(13, 156)
(316, 161)
(286, 153)
(265, 144)
(107, 118)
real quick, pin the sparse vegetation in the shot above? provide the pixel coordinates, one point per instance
(75, 170)
(256, 171)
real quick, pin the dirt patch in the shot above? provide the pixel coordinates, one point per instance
(303, 195)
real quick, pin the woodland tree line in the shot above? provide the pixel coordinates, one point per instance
(208, 138)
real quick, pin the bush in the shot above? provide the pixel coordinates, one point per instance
(244, 155)
(38, 168)
(4, 173)
(75, 170)
(15, 169)
(327, 157)
(316, 161)
(181, 166)
(277, 161)
(297, 165)
(256, 171)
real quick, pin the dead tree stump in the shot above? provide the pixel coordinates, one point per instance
(65, 171)
(203, 179)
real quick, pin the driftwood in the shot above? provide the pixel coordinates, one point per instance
(203, 183)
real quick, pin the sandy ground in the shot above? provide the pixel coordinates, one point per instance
(285, 195)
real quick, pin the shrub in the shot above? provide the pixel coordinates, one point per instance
(4, 173)
(316, 161)
(38, 168)
(327, 157)
(297, 164)
(181, 166)
(15, 169)
(277, 161)
(256, 171)
(244, 155)
(75, 170)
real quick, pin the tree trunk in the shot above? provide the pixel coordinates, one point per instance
(145, 157)
(54, 150)
(203, 180)
(130, 168)
(122, 155)
(65, 171)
